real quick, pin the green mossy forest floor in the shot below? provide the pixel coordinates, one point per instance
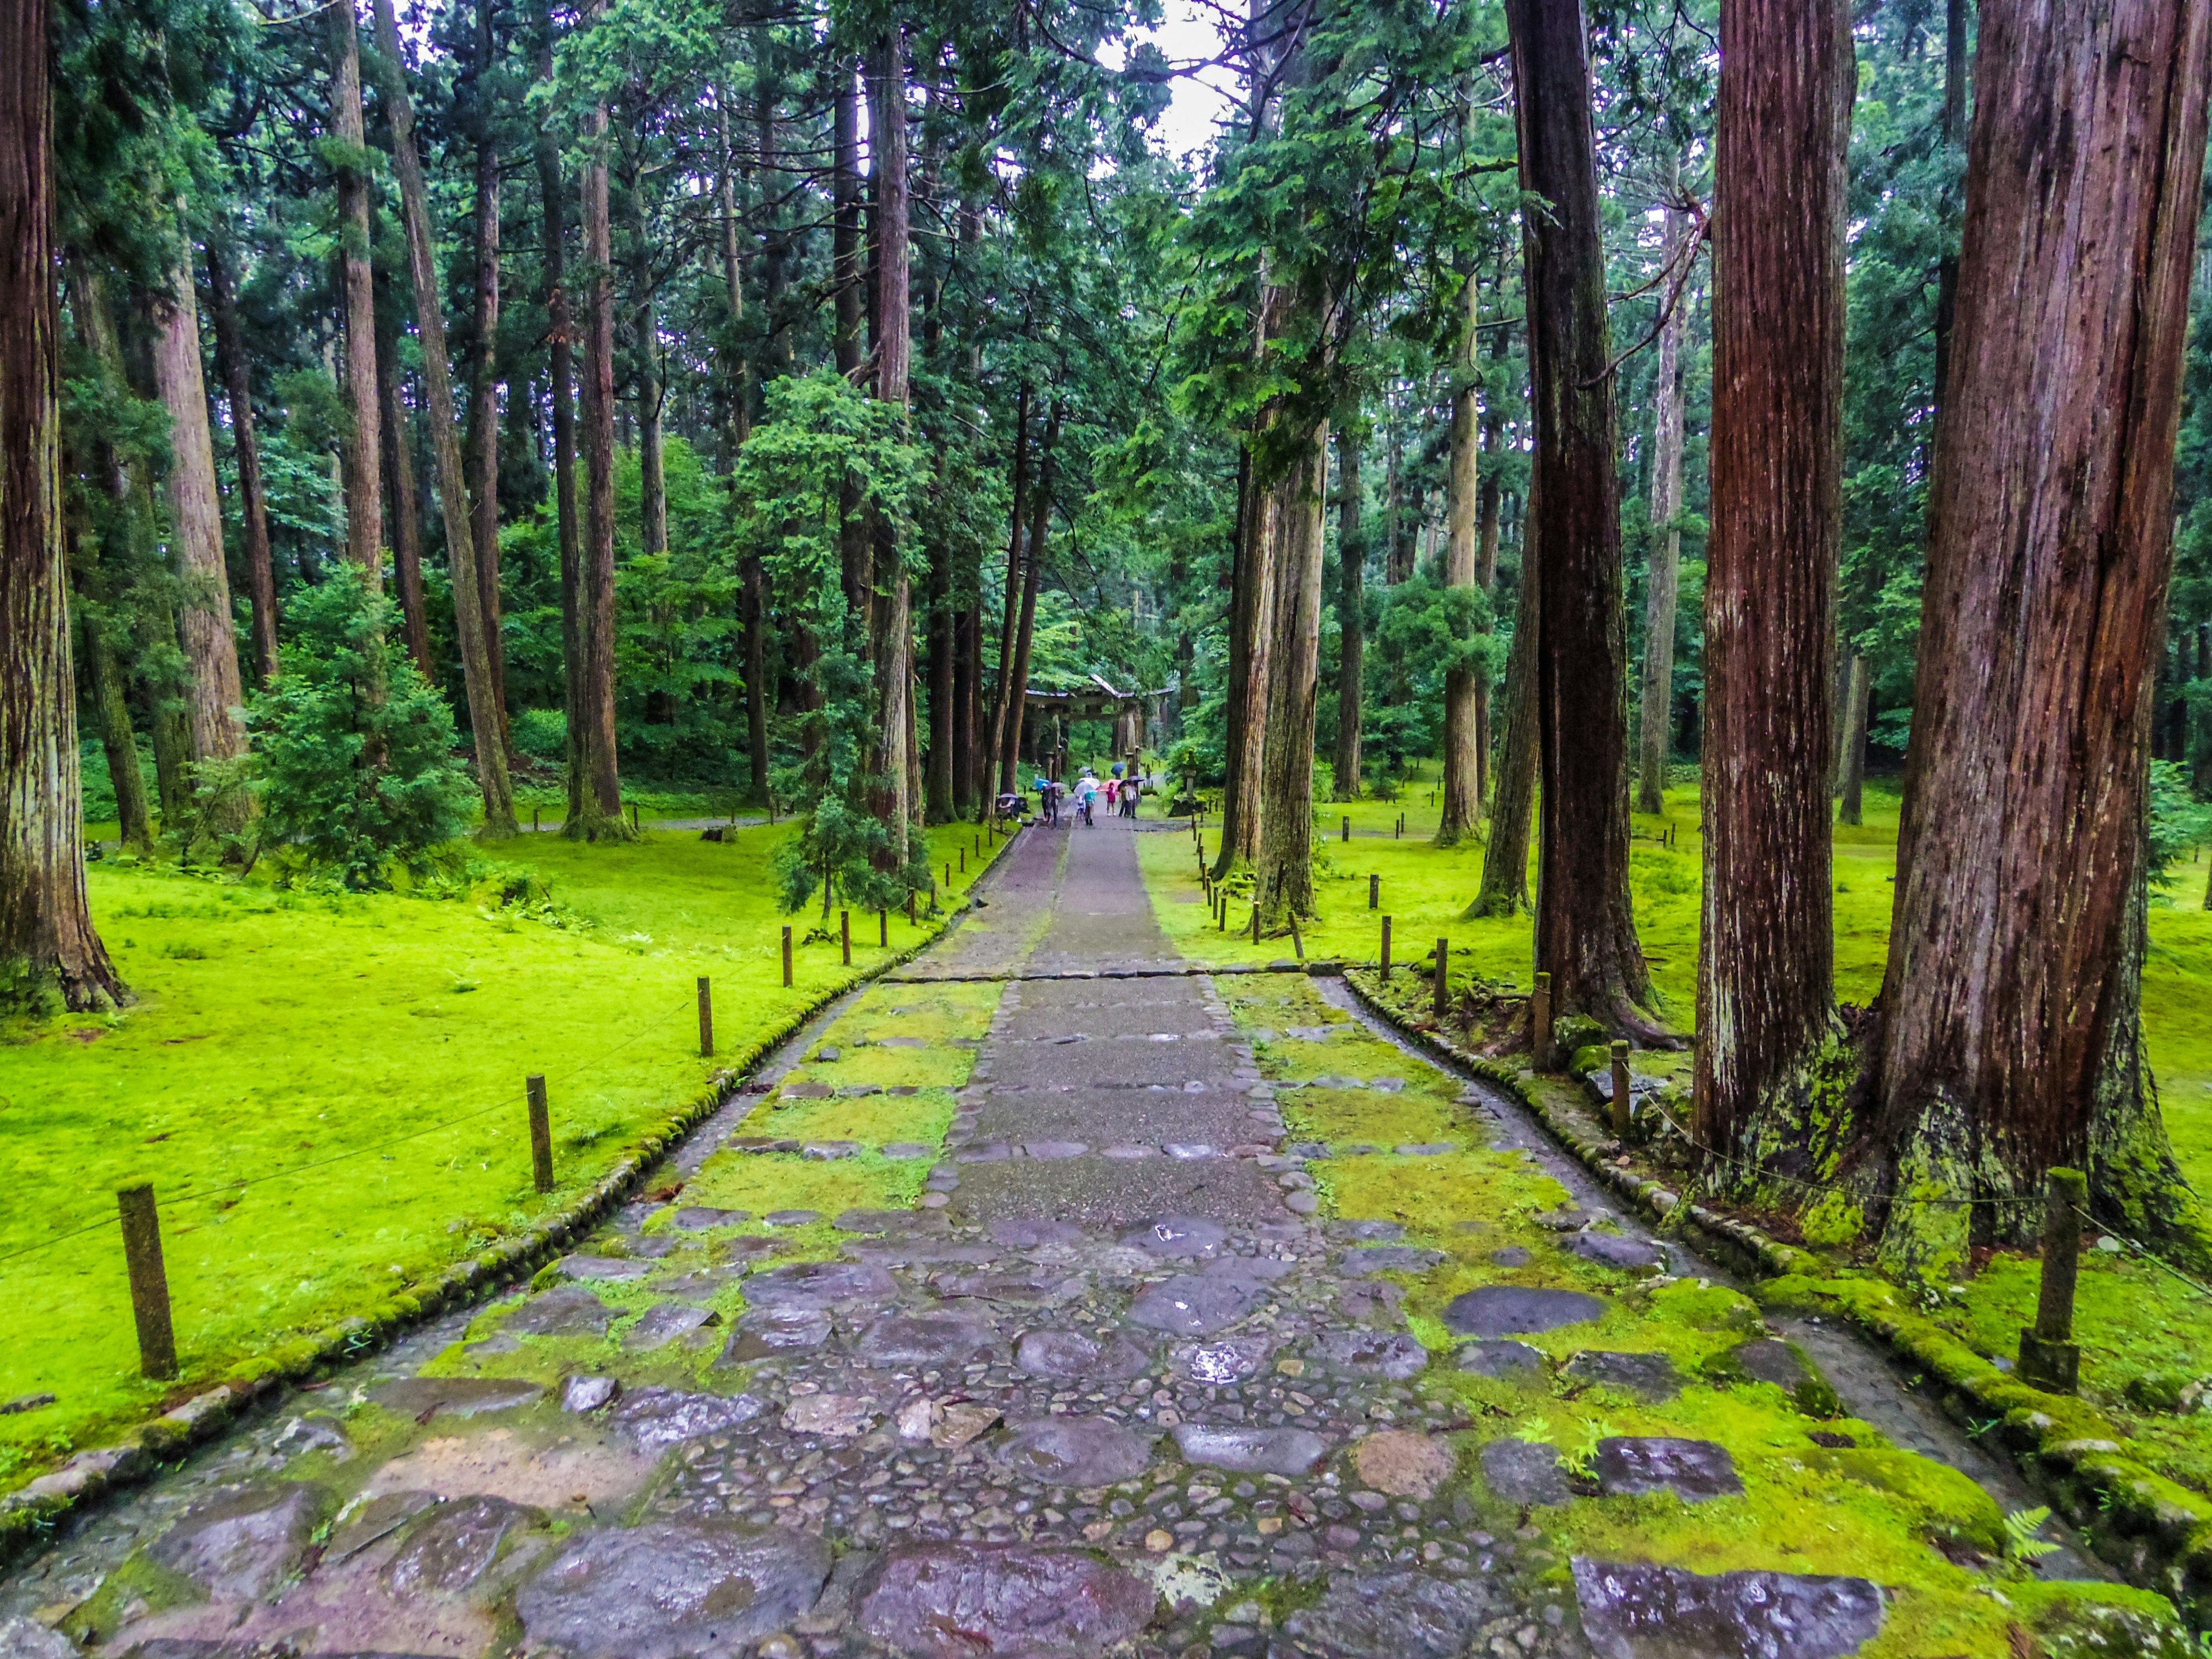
(326, 1090)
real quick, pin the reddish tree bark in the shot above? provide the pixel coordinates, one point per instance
(1585, 932)
(1025, 625)
(405, 518)
(1655, 706)
(891, 630)
(252, 500)
(561, 376)
(48, 946)
(2011, 1035)
(483, 383)
(1766, 1012)
(360, 458)
(1463, 757)
(1350, 607)
(997, 763)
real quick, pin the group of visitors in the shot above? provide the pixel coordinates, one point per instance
(1121, 795)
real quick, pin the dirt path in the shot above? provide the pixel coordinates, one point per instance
(1217, 1325)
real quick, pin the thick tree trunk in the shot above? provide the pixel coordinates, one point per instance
(1351, 608)
(1251, 666)
(485, 716)
(1656, 705)
(399, 450)
(1585, 931)
(1463, 757)
(599, 815)
(2009, 1040)
(196, 531)
(1489, 502)
(359, 451)
(48, 946)
(483, 385)
(967, 648)
(1032, 574)
(1283, 873)
(1505, 889)
(1397, 559)
(849, 341)
(1850, 784)
(645, 339)
(998, 765)
(735, 379)
(108, 692)
(1768, 1034)
(561, 382)
(892, 622)
(253, 500)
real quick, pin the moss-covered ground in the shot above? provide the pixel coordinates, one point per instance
(1930, 1536)
(326, 1089)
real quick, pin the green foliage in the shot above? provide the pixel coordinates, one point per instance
(352, 748)
(2179, 822)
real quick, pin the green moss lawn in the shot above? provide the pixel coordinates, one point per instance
(357, 1060)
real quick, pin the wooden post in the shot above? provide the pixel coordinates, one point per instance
(705, 1018)
(1622, 1099)
(845, 934)
(1386, 947)
(787, 954)
(1443, 982)
(149, 1281)
(883, 929)
(541, 1134)
(1539, 1022)
(1298, 939)
(909, 909)
(2049, 1357)
(636, 826)
(1375, 892)
(963, 860)
(534, 825)
(1255, 921)
(948, 876)
(1222, 894)
(1347, 826)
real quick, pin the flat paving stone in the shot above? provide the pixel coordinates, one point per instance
(1028, 1287)
(1076, 1451)
(791, 1218)
(951, 1600)
(1075, 1358)
(1649, 1377)
(662, 1591)
(1404, 1464)
(565, 1310)
(1251, 1451)
(927, 1338)
(1509, 1309)
(1393, 1354)
(452, 1548)
(1402, 1615)
(240, 1546)
(1222, 1362)
(454, 1396)
(806, 1091)
(836, 1416)
(1180, 1236)
(1512, 1255)
(1525, 1471)
(1052, 1151)
(1696, 1470)
(820, 1284)
(665, 1322)
(601, 1267)
(588, 1393)
(1502, 1359)
(1388, 1259)
(27, 1638)
(875, 1221)
(1368, 1232)
(1026, 1234)
(657, 1418)
(1189, 1305)
(1629, 1254)
(765, 1332)
(1634, 1610)
(1769, 1359)
(1427, 1148)
(907, 1150)
(694, 1217)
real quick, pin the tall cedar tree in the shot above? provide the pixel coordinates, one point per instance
(47, 941)
(1585, 932)
(1766, 1010)
(2011, 1037)
(1462, 734)
(1351, 602)
(1662, 583)
(892, 794)
(360, 457)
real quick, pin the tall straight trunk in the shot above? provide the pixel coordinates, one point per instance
(48, 944)
(485, 713)
(397, 425)
(848, 338)
(1351, 608)
(967, 643)
(1489, 499)
(1505, 889)
(561, 381)
(1766, 994)
(756, 686)
(1585, 929)
(892, 621)
(1010, 605)
(1398, 523)
(484, 379)
(1251, 662)
(2200, 748)
(1025, 628)
(645, 338)
(1850, 786)
(1462, 758)
(775, 351)
(2010, 1039)
(598, 816)
(196, 529)
(1655, 706)
(734, 276)
(359, 451)
(253, 498)
(108, 689)
(1283, 873)
(944, 632)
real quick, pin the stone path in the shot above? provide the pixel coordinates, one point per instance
(1218, 1325)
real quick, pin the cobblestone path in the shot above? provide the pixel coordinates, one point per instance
(1140, 1313)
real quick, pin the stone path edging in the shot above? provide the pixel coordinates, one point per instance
(29, 1515)
(2155, 1532)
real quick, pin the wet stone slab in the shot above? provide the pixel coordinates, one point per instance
(1403, 1615)
(1649, 1377)
(241, 1545)
(447, 1552)
(819, 1285)
(665, 1323)
(961, 1600)
(1221, 1362)
(1388, 1259)
(1511, 1310)
(564, 1310)
(1392, 1354)
(1076, 1451)
(1251, 1451)
(1633, 1610)
(1692, 1469)
(694, 1217)
(765, 1332)
(1190, 1305)
(658, 1592)
(423, 1397)
(1180, 1236)
(927, 1338)
(1629, 1254)
(658, 1417)
(1525, 1471)
(1075, 1358)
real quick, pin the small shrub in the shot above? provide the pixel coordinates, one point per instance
(543, 733)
